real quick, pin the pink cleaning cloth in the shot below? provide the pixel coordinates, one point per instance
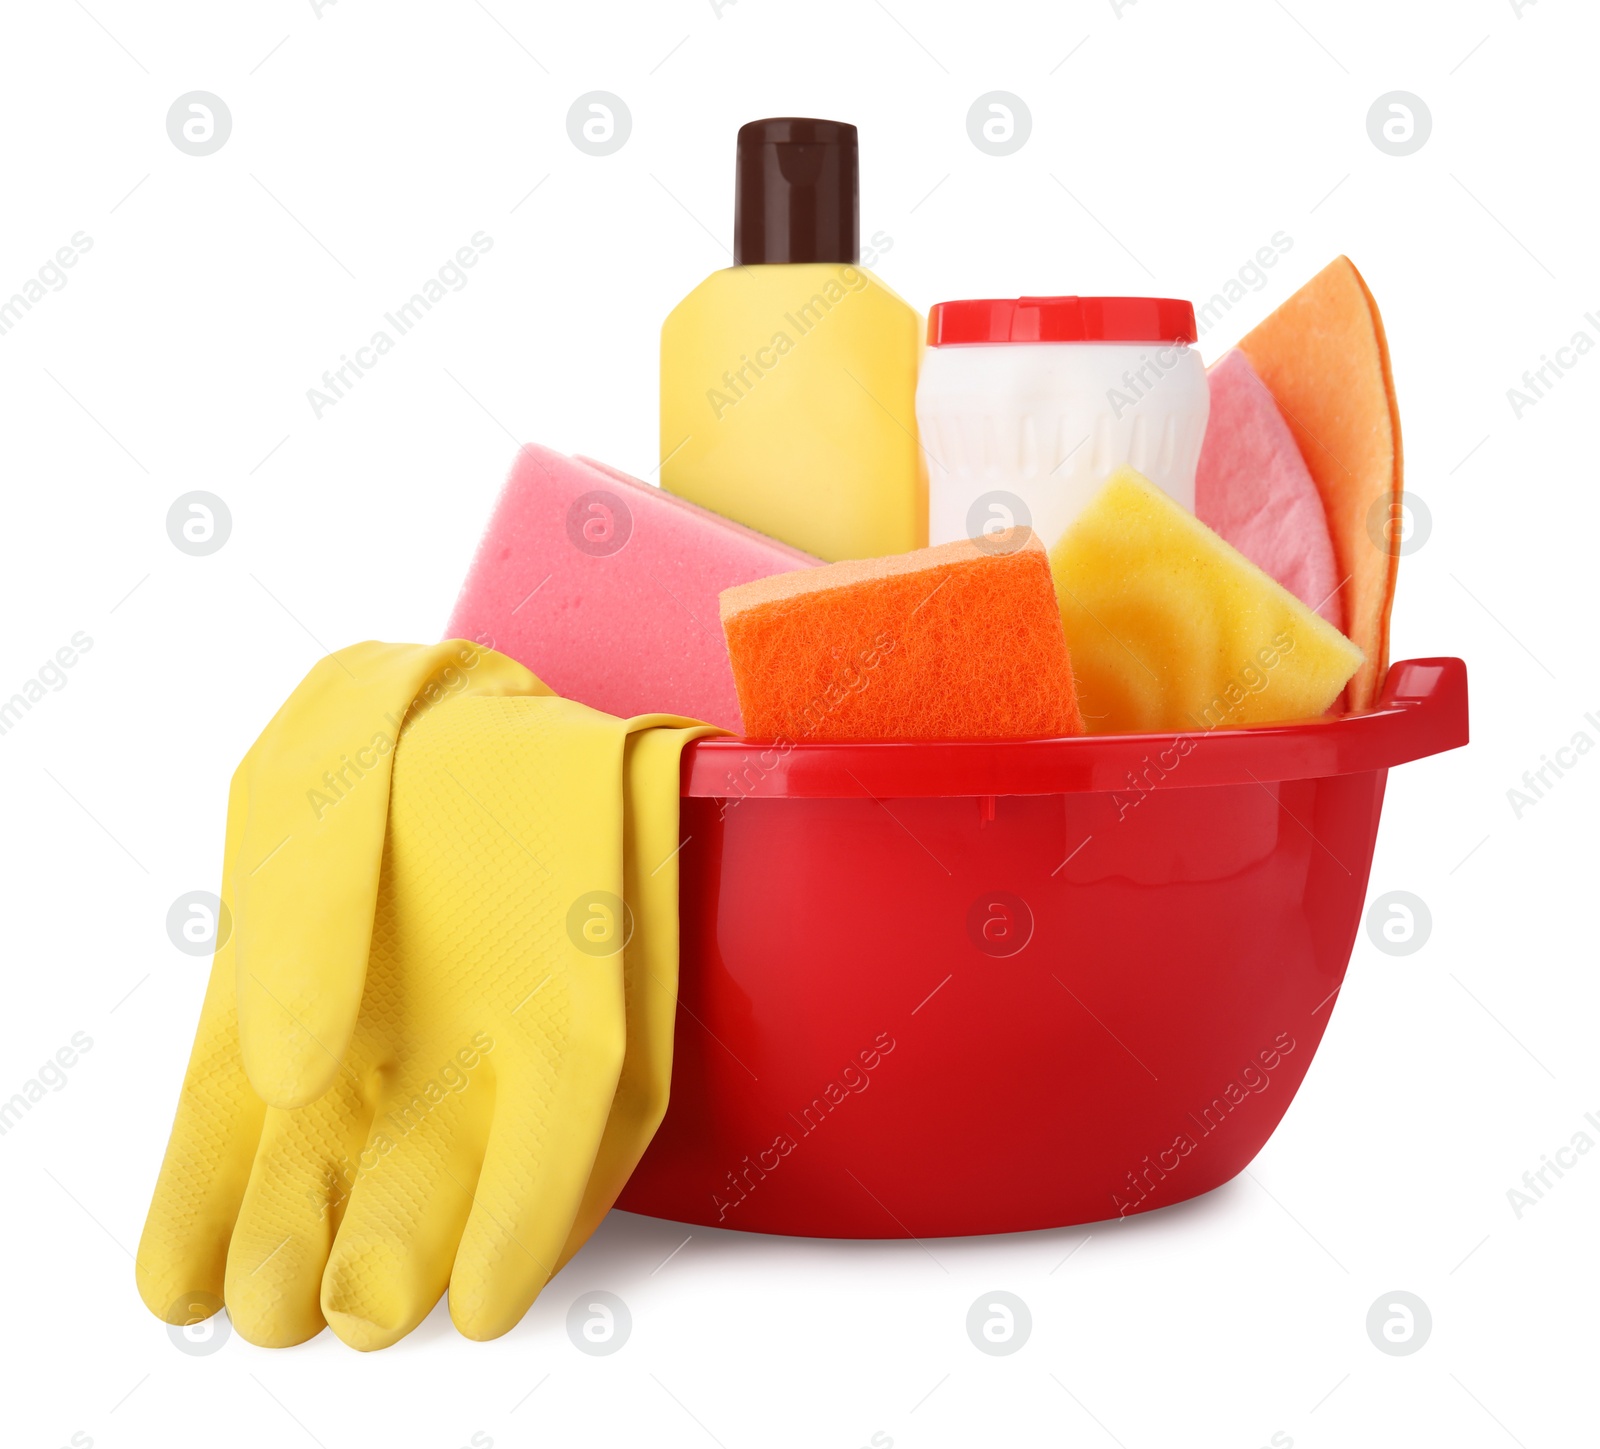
(1253, 488)
(606, 588)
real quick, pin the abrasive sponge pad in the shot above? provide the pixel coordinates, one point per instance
(962, 641)
(606, 588)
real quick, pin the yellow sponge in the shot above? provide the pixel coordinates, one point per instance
(1171, 629)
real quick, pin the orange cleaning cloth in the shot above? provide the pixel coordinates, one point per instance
(1324, 358)
(962, 641)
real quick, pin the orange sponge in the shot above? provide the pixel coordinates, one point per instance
(962, 641)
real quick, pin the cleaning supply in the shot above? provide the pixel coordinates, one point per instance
(607, 588)
(962, 641)
(1324, 357)
(1027, 404)
(1170, 628)
(788, 380)
(474, 1086)
(1252, 488)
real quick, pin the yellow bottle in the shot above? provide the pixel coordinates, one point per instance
(788, 381)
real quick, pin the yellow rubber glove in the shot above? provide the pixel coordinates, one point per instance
(317, 795)
(506, 1065)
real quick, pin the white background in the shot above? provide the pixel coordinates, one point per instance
(1168, 144)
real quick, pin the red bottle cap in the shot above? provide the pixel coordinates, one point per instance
(1062, 319)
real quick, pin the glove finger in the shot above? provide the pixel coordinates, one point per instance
(551, 1105)
(183, 1250)
(650, 964)
(392, 1254)
(312, 850)
(305, 1167)
(583, 1076)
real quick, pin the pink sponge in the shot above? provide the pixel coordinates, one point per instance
(606, 588)
(1253, 488)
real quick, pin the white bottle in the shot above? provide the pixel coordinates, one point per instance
(1025, 405)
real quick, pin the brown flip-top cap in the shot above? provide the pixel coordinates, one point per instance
(796, 192)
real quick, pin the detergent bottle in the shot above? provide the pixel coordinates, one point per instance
(788, 380)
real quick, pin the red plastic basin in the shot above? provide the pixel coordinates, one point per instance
(949, 988)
